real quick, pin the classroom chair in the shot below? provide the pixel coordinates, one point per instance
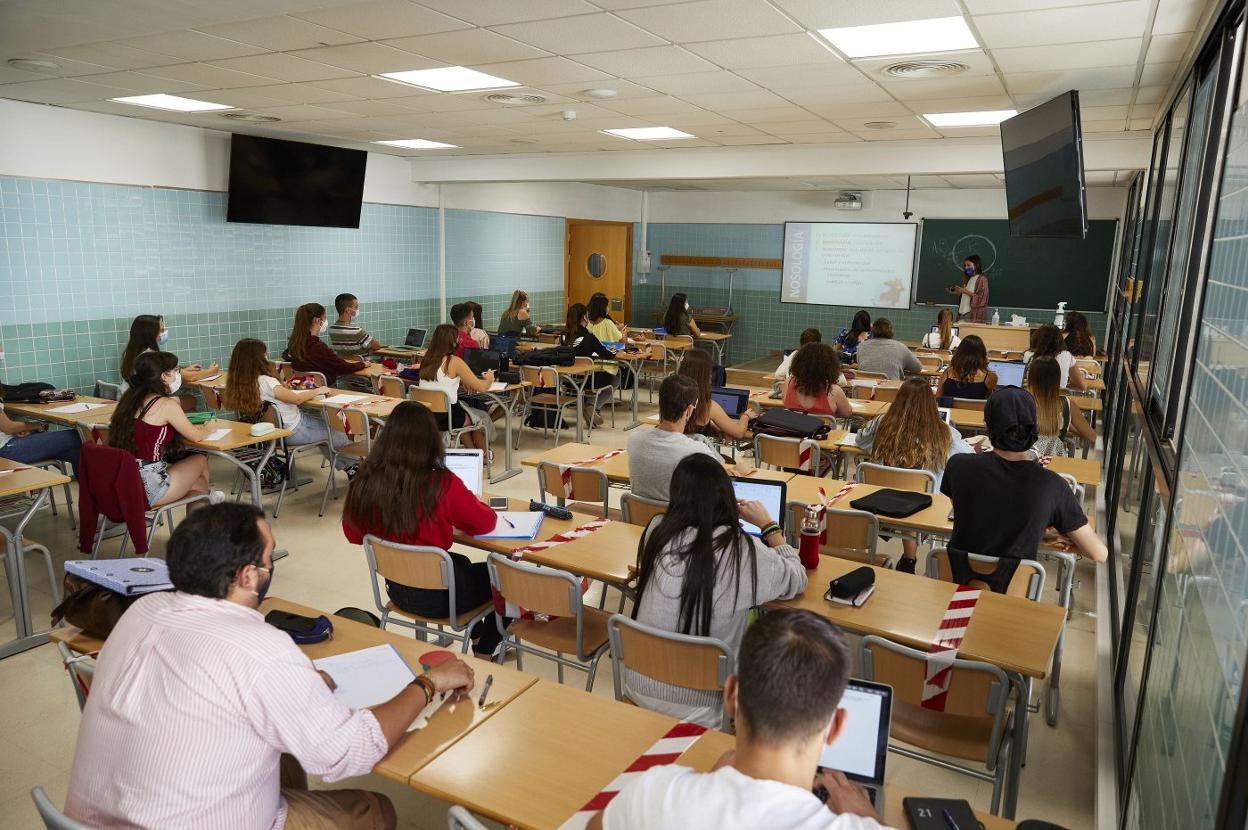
(14, 507)
(544, 392)
(107, 390)
(692, 662)
(932, 362)
(859, 374)
(392, 386)
(1028, 581)
(851, 534)
(639, 510)
(420, 566)
(785, 453)
(589, 484)
(458, 818)
(66, 470)
(568, 626)
(285, 371)
(898, 478)
(654, 368)
(976, 404)
(887, 394)
(1091, 368)
(53, 819)
(81, 671)
(1075, 487)
(353, 422)
(976, 724)
(289, 454)
(439, 403)
(596, 398)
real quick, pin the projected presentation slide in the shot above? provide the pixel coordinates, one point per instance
(848, 263)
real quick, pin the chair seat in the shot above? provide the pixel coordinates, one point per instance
(547, 399)
(958, 736)
(461, 619)
(852, 554)
(596, 509)
(560, 634)
(356, 449)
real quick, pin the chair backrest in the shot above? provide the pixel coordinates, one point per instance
(899, 478)
(851, 534)
(783, 452)
(929, 361)
(1028, 580)
(859, 374)
(53, 819)
(108, 390)
(317, 377)
(459, 818)
(415, 566)
(349, 420)
(588, 484)
(546, 591)
(284, 370)
(435, 400)
(657, 349)
(1074, 485)
(1090, 367)
(970, 403)
(973, 721)
(392, 386)
(539, 377)
(888, 394)
(639, 510)
(92, 433)
(112, 479)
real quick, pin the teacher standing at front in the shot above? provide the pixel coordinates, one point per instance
(973, 305)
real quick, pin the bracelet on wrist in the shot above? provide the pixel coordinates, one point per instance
(770, 529)
(426, 686)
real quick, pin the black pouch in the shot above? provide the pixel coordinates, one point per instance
(896, 504)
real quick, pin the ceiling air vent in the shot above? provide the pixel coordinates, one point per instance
(925, 69)
(879, 125)
(250, 117)
(508, 99)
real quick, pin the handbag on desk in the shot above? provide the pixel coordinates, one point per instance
(896, 504)
(93, 608)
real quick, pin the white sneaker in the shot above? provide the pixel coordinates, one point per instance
(216, 497)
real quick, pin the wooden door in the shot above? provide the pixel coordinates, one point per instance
(599, 258)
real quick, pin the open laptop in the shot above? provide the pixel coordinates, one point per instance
(1008, 374)
(734, 401)
(861, 750)
(954, 329)
(469, 465)
(415, 339)
(485, 360)
(773, 495)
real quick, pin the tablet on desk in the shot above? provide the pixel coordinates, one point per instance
(772, 494)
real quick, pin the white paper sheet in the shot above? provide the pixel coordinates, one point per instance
(367, 677)
(850, 440)
(497, 386)
(344, 399)
(73, 408)
(209, 378)
(217, 435)
(515, 525)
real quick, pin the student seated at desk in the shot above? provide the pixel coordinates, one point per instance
(252, 386)
(700, 573)
(598, 322)
(807, 336)
(148, 334)
(147, 421)
(1004, 502)
(943, 338)
(461, 317)
(516, 319)
(709, 418)
(1055, 417)
(478, 334)
(678, 321)
(1046, 341)
(24, 442)
(813, 384)
(1079, 339)
(308, 353)
(577, 335)
(887, 356)
(654, 453)
(858, 332)
(203, 715)
(967, 374)
(792, 669)
(345, 337)
(442, 369)
(404, 493)
(911, 434)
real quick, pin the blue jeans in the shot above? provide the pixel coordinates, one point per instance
(44, 446)
(312, 429)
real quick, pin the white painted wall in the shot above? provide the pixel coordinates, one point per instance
(570, 199)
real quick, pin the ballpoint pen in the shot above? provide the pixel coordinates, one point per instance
(508, 521)
(953, 825)
(485, 690)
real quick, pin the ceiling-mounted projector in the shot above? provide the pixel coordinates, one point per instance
(848, 201)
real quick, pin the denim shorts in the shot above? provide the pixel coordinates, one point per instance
(155, 481)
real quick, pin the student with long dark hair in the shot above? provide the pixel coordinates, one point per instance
(709, 418)
(441, 369)
(813, 382)
(307, 352)
(1047, 341)
(967, 374)
(576, 334)
(1079, 339)
(1055, 417)
(478, 334)
(147, 420)
(404, 493)
(148, 334)
(678, 321)
(700, 573)
(600, 325)
(858, 331)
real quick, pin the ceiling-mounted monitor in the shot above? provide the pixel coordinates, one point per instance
(1044, 183)
(277, 182)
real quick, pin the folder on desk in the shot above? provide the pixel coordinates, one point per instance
(498, 386)
(523, 525)
(132, 577)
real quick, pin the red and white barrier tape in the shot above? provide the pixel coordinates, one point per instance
(506, 607)
(805, 452)
(848, 488)
(565, 470)
(944, 649)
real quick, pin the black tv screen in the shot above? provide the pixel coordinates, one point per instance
(276, 182)
(1044, 185)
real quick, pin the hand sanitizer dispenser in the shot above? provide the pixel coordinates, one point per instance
(1060, 319)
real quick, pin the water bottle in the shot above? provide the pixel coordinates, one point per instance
(996, 317)
(812, 536)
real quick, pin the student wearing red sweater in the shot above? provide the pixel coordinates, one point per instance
(307, 352)
(465, 320)
(404, 493)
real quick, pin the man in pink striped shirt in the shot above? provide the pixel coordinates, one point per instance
(196, 698)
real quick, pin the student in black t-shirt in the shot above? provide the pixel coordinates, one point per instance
(1003, 501)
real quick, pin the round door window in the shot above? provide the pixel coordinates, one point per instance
(596, 265)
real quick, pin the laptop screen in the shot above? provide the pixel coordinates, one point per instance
(483, 360)
(733, 401)
(770, 493)
(415, 338)
(469, 465)
(952, 329)
(862, 747)
(1008, 374)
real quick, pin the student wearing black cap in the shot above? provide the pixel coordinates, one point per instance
(1003, 501)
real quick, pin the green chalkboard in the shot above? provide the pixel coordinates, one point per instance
(1022, 272)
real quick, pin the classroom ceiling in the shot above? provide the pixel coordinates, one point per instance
(730, 72)
(834, 184)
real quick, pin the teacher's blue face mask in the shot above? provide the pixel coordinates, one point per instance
(970, 270)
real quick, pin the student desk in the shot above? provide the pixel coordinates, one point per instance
(47, 411)
(23, 491)
(616, 467)
(413, 355)
(1087, 471)
(718, 341)
(244, 451)
(375, 406)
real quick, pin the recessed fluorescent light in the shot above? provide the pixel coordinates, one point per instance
(448, 79)
(648, 133)
(172, 102)
(912, 37)
(417, 144)
(985, 118)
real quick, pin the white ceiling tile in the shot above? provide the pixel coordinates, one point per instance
(711, 20)
(380, 19)
(61, 91)
(467, 46)
(1103, 113)
(68, 68)
(1004, 6)
(1167, 48)
(244, 98)
(829, 137)
(896, 135)
(699, 82)
(208, 76)
(1144, 111)
(369, 108)
(580, 89)
(282, 33)
(657, 105)
(1105, 97)
(553, 101)
(766, 115)
(825, 76)
(1158, 74)
(370, 58)
(976, 61)
(1178, 16)
(737, 100)
(284, 67)
(921, 89)
(1147, 94)
(1053, 81)
(440, 102)
(833, 96)
(542, 71)
(302, 93)
(974, 180)
(582, 34)
(903, 122)
(813, 125)
(756, 52)
(1069, 56)
(304, 112)
(139, 82)
(749, 140)
(964, 132)
(869, 110)
(191, 46)
(1117, 125)
(495, 12)
(9, 75)
(1104, 21)
(976, 104)
(112, 55)
(583, 112)
(655, 60)
(820, 14)
(365, 87)
(1140, 124)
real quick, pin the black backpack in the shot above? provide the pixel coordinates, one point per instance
(719, 375)
(554, 356)
(27, 392)
(785, 423)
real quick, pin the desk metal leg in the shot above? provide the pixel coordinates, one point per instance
(579, 385)
(26, 637)
(252, 473)
(636, 422)
(509, 471)
(1009, 800)
(1065, 580)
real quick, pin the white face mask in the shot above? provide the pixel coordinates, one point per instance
(686, 305)
(175, 384)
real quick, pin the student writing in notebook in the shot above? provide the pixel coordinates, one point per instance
(404, 493)
(203, 715)
(792, 669)
(148, 334)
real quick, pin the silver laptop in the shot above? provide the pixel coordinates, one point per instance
(1008, 373)
(861, 750)
(469, 465)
